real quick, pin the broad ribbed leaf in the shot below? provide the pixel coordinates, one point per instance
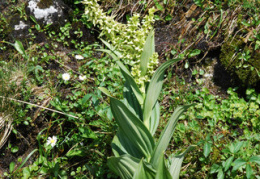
(124, 166)
(166, 134)
(132, 127)
(122, 145)
(154, 90)
(131, 102)
(155, 118)
(131, 82)
(162, 171)
(148, 51)
(144, 172)
(176, 163)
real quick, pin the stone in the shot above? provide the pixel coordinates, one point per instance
(46, 12)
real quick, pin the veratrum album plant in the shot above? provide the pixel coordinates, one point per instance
(137, 153)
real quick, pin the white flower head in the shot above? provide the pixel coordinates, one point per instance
(82, 77)
(79, 57)
(52, 141)
(65, 76)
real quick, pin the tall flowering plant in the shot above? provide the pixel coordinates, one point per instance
(128, 39)
(137, 153)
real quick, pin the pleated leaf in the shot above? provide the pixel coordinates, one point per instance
(128, 77)
(132, 127)
(144, 172)
(124, 166)
(155, 118)
(176, 163)
(149, 49)
(166, 134)
(153, 91)
(162, 170)
(122, 145)
(131, 101)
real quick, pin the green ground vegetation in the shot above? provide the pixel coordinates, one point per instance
(41, 103)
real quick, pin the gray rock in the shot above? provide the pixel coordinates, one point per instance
(53, 12)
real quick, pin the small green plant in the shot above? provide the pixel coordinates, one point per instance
(43, 165)
(235, 159)
(137, 153)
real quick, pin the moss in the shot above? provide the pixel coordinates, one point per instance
(230, 60)
(43, 4)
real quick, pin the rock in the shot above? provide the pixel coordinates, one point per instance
(233, 58)
(36, 18)
(45, 12)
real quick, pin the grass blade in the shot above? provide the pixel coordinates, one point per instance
(32, 152)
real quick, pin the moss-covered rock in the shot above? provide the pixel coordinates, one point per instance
(233, 58)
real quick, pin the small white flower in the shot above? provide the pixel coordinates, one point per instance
(82, 77)
(79, 57)
(52, 141)
(65, 76)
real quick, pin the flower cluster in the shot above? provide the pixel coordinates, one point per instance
(153, 63)
(128, 39)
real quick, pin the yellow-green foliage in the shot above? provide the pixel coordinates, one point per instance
(128, 38)
(231, 57)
